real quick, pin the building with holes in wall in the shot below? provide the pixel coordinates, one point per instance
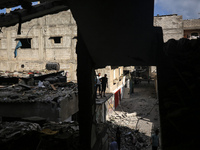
(175, 27)
(51, 38)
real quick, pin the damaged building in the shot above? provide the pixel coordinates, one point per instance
(174, 27)
(48, 39)
(119, 37)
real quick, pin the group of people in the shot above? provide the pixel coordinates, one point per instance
(101, 83)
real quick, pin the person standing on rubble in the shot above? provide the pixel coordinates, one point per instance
(104, 82)
(155, 140)
(113, 144)
(98, 83)
(118, 137)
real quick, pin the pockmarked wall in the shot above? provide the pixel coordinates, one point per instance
(172, 26)
(46, 39)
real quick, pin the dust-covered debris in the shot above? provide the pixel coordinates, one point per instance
(20, 93)
(137, 117)
(13, 130)
(131, 139)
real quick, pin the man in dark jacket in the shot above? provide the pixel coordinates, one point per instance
(104, 82)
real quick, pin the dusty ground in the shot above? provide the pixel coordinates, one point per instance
(139, 113)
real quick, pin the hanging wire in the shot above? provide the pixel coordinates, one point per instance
(28, 33)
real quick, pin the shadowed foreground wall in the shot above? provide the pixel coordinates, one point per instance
(178, 86)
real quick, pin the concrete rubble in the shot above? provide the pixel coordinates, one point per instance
(13, 130)
(32, 77)
(42, 93)
(130, 138)
(48, 96)
(40, 109)
(137, 117)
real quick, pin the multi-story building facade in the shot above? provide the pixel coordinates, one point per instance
(172, 26)
(115, 91)
(115, 77)
(47, 39)
(175, 27)
(51, 38)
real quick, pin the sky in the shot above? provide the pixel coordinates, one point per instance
(189, 9)
(18, 7)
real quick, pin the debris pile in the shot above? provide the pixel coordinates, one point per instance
(130, 139)
(124, 119)
(49, 136)
(32, 77)
(48, 96)
(34, 86)
(63, 135)
(137, 117)
(14, 130)
(36, 100)
(44, 92)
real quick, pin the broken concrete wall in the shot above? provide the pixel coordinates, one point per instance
(104, 107)
(110, 106)
(172, 26)
(41, 35)
(68, 106)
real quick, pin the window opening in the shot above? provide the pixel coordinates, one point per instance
(194, 34)
(56, 40)
(26, 43)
